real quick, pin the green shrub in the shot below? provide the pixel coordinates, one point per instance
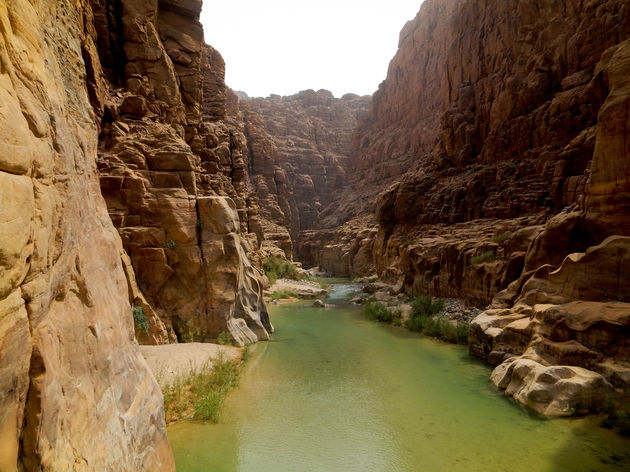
(247, 353)
(276, 268)
(170, 244)
(426, 306)
(423, 320)
(441, 328)
(461, 331)
(186, 332)
(485, 257)
(284, 294)
(225, 338)
(200, 394)
(397, 316)
(376, 311)
(501, 238)
(140, 319)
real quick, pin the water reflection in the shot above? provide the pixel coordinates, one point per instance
(339, 393)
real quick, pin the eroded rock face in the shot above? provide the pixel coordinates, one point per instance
(552, 391)
(488, 135)
(513, 93)
(343, 252)
(577, 316)
(298, 148)
(172, 141)
(233, 291)
(497, 153)
(71, 375)
(575, 313)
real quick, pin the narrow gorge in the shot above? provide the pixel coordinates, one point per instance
(140, 197)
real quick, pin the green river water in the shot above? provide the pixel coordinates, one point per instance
(333, 392)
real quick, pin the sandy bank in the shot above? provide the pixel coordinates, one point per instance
(169, 360)
(303, 288)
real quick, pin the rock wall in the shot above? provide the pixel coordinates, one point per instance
(576, 311)
(173, 166)
(508, 89)
(485, 118)
(298, 148)
(497, 156)
(71, 375)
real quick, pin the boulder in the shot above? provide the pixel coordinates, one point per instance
(553, 390)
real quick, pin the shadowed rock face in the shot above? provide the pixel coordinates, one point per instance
(484, 118)
(498, 161)
(171, 142)
(575, 312)
(71, 375)
(298, 152)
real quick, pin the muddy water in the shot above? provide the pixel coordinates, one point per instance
(333, 392)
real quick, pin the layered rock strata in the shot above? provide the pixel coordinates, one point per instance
(298, 148)
(344, 251)
(71, 375)
(497, 150)
(173, 166)
(498, 132)
(573, 311)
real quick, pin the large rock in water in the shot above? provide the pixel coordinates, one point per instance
(75, 393)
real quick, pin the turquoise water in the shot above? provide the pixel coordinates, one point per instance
(334, 392)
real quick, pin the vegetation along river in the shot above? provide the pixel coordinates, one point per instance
(334, 392)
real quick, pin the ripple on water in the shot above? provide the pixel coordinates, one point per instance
(338, 393)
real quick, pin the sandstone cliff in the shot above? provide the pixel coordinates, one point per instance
(71, 375)
(173, 166)
(483, 117)
(574, 312)
(298, 152)
(497, 153)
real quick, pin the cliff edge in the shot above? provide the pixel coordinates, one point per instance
(71, 375)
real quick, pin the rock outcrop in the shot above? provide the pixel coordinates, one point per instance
(494, 163)
(577, 312)
(577, 316)
(71, 375)
(298, 148)
(173, 166)
(485, 120)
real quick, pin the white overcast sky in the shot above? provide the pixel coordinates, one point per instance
(284, 46)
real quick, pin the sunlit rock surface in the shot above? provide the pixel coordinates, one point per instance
(71, 375)
(493, 166)
(172, 140)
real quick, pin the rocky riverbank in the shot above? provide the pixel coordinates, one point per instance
(169, 361)
(291, 290)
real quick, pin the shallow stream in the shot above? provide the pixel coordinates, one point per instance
(333, 392)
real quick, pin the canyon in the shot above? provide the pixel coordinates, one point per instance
(503, 182)
(492, 165)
